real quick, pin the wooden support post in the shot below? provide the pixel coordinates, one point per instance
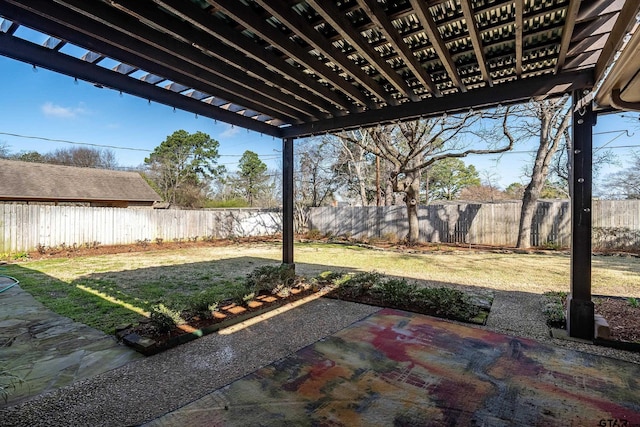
(287, 202)
(580, 312)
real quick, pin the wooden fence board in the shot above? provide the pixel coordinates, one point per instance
(616, 223)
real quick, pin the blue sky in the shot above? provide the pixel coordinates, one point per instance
(49, 105)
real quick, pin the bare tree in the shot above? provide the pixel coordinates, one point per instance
(85, 157)
(549, 121)
(315, 182)
(413, 146)
(625, 184)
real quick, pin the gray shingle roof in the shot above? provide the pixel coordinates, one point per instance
(38, 181)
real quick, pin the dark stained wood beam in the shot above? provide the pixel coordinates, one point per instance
(519, 24)
(208, 24)
(580, 308)
(430, 27)
(476, 40)
(163, 45)
(66, 24)
(340, 23)
(508, 93)
(288, 167)
(567, 32)
(302, 29)
(245, 16)
(379, 16)
(40, 56)
(146, 11)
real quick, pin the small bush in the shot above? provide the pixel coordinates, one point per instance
(359, 284)
(313, 234)
(203, 303)
(164, 319)
(447, 302)
(143, 242)
(551, 245)
(554, 309)
(20, 256)
(270, 278)
(396, 292)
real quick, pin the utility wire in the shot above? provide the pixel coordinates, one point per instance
(117, 147)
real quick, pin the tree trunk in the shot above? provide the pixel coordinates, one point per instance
(412, 193)
(553, 123)
(529, 203)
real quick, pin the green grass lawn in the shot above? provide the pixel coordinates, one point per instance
(110, 290)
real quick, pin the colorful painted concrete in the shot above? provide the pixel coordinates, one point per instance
(398, 368)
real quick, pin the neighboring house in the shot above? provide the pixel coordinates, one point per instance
(26, 182)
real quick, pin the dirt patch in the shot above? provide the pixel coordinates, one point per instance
(623, 316)
(72, 251)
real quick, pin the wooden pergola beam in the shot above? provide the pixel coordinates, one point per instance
(141, 10)
(97, 37)
(378, 15)
(476, 41)
(297, 25)
(193, 14)
(49, 59)
(429, 25)
(340, 23)
(519, 24)
(240, 13)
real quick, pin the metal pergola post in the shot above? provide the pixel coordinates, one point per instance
(580, 311)
(287, 202)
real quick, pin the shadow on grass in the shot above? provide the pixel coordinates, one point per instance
(110, 299)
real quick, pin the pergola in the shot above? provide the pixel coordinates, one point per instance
(294, 68)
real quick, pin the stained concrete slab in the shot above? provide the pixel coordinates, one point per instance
(44, 351)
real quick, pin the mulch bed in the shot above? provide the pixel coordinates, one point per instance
(145, 338)
(622, 316)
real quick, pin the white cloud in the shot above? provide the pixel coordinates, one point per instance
(230, 131)
(57, 111)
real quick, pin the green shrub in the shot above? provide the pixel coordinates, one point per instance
(270, 278)
(447, 302)
(396, 292)
(359, 284)
(204, 303)
(164, 319)
(554, 309)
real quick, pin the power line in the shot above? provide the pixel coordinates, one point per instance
(116, 147)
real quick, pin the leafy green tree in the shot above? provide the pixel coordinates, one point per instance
(253, 177)
(448, 177)
(183, 165)
(515, 190)
(30, 156)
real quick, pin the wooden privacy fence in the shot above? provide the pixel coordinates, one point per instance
(24, 227)
(616, 223)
